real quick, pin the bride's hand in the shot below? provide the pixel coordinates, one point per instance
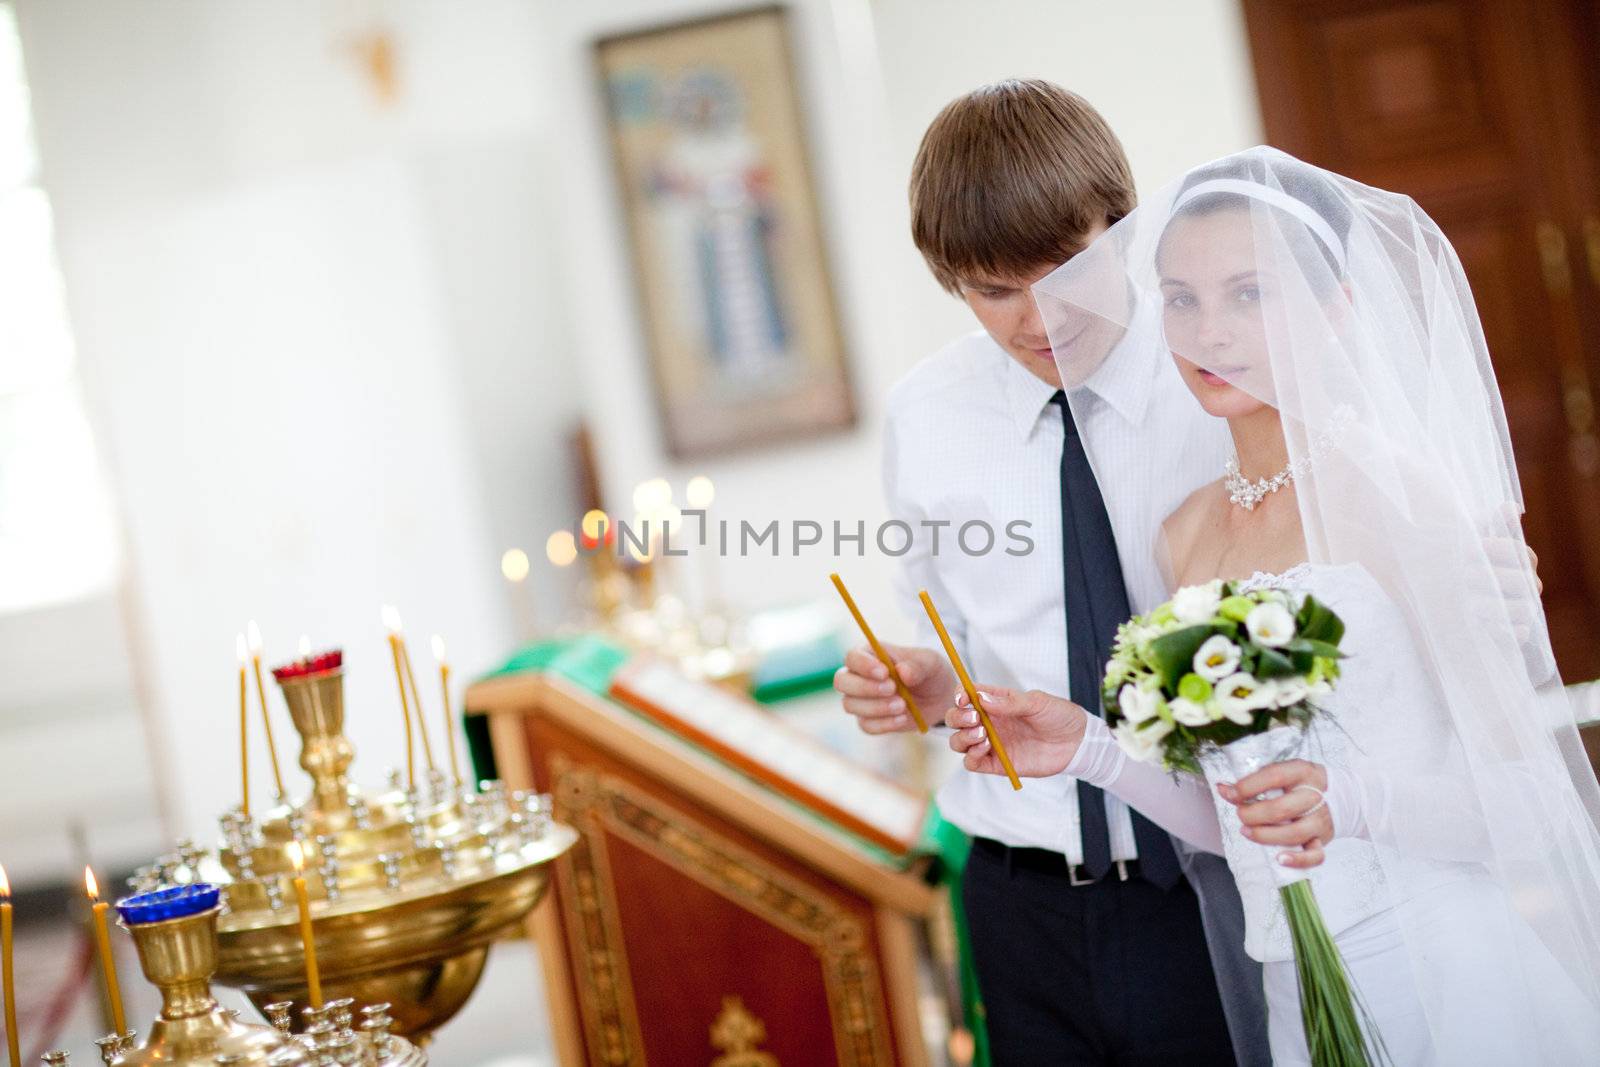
(1298, 818)
(1040, 732)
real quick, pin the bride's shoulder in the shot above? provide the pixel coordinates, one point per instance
(1196, 511)
(1189, 521)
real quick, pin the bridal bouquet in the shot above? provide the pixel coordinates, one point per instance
(1225, 679)
(1214, 665)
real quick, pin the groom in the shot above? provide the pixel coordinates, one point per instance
(1087, 937)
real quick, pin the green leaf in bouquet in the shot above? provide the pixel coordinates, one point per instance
(1314, 648)
(1270, 663)
(1111, 706)
(1172, 654)
(1318, 622)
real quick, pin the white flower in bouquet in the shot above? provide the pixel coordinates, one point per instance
(1188, 712)
(1140, 702)
(1195, 604)
(1240, 696)
(1142, 744)
(1217, 658)
(1270, 624)
(1287, 692)
(1119, 669)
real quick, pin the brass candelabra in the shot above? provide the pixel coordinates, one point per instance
(409, 884)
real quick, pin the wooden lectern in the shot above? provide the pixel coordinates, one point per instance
(724, 905)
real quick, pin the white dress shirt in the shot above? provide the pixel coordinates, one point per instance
(970, 435)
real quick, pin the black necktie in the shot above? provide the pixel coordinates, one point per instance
(1097, 603)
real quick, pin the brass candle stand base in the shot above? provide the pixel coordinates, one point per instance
(175, 932)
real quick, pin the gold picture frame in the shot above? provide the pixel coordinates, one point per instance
(729, 259)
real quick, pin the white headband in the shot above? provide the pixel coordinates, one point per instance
(1276, 198)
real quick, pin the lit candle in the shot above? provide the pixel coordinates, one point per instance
(700, 492)
(561, 548)
(6, 976)
(514, 567)
(254, 633)
(644, 556)
(244, 737)
(313, 976)
(444, 693)
(391, 620)
(102, 936)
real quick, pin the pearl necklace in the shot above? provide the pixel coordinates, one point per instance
(1248, 494)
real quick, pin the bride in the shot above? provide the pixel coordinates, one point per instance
(1445, 801)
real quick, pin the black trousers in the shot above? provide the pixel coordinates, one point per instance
(1110, 973)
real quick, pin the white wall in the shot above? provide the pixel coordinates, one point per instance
(279, 292)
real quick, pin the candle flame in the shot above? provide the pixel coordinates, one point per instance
(255, 637)
(652, 496)
(514, 564)
(5, 884)
(238, 647)
(595, 524)
(700, 492)
(561, 548)
(297, 857)
(438, 649)
(91, 885)
(391, 618)
(305, 645)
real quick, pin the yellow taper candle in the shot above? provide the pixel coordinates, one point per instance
(108, 963)
(882, 654)
(416, 702)
(254, 633)
(7, 978)
(391, 620)
(444, 694)
(972, 690)
(244, 735)
(313, 976)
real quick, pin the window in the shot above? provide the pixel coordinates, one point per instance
(58, 536)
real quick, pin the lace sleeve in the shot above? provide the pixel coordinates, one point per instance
(1178, 803)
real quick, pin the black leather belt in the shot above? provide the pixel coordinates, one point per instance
(1054, 864)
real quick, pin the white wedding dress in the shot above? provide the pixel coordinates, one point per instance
(1455, 919)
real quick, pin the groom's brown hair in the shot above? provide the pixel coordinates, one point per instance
(1013, 175)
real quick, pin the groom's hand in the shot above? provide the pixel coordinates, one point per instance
(870, 696)
(1041, 732)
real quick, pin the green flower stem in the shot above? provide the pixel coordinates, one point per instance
(1329, 1007)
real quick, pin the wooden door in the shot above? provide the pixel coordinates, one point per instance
(1485, 113)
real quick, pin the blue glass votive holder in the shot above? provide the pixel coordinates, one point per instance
(175, 902)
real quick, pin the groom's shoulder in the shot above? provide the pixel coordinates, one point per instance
(964, 372)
